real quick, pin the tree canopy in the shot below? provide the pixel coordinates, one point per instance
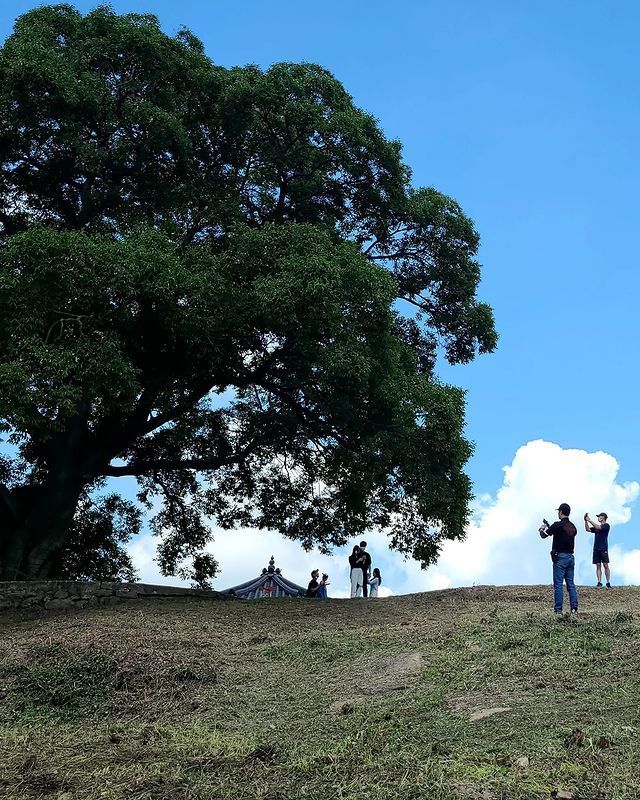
(221, 282)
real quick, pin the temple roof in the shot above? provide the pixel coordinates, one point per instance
(271, 583)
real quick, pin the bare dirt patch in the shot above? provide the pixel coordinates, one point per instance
(483, 713)
(394, 673)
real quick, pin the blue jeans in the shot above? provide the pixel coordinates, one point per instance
(563, 571)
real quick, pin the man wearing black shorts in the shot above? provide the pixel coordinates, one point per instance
(601, 530)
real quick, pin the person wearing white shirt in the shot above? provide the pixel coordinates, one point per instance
(374, 582)
(355, 572)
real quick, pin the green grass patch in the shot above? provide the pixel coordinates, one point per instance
(58, 680)
(320, 649)
(417, 697)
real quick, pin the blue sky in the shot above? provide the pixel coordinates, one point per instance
(528, 115)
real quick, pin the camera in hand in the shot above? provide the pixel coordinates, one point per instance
(545, 522)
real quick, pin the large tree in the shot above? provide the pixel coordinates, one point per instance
(220, 282)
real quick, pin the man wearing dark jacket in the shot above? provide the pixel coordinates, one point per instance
(365, 561)
(314, 585)
(564, 536)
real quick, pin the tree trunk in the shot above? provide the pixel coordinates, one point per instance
(34, 524)
(35, 518)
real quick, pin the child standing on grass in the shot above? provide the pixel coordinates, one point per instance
(374, 582)
(322, 589)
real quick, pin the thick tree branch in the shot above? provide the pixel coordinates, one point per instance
(186, 404)
(402, 253)
(311, 420)
(413, 302)
(139, 468)
(416, 300)
(252, 377)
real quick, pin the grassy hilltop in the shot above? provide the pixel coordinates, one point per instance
(471, 693)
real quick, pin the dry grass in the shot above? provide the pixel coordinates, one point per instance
(475, 694)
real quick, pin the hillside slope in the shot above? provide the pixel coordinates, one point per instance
(472, 693)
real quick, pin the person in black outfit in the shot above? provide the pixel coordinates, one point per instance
(601, 530)
(564, 536)
(365, 564)
(314, 585)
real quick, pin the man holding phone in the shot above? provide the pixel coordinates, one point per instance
(601, 530)
(564, 534)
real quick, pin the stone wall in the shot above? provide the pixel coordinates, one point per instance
(79, 594)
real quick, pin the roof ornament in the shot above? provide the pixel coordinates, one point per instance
(270, 583)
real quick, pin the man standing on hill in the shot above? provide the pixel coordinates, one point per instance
(601, 530)
(365, 560)
(564, 536)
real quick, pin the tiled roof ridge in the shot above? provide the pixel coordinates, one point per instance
(270, 573)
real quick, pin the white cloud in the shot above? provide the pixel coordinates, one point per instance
(625, 564)
(502, 546)
(143, 552)
(243, 553)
